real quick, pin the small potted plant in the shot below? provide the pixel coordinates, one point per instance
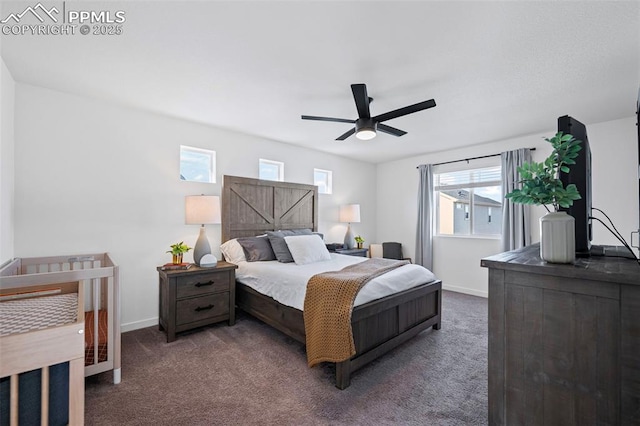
(178, 250)
(541, 185)
(359, 241)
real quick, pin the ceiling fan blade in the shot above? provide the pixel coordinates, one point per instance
(390, 130)
(362, 100)
(346, 135)
(339, 120)
(404, 111)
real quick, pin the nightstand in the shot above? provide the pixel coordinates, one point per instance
(195, 297)
(353, 252)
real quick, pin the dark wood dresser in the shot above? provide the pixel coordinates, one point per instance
(195, 297)
(564, 340)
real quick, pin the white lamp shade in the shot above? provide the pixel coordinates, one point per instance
(350, 213)
(202, 209)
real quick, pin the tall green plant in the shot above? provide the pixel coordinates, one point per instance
(541, 184)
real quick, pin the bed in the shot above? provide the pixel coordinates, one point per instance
(98, 275)
(252, 207)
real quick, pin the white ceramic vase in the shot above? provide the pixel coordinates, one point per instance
(558, 237)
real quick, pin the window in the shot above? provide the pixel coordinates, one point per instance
(197, 165)
(323, 180)
(469, 202)
(271, 170)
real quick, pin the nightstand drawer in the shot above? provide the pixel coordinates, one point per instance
(200, 308)
(353, 252)
(193, 285)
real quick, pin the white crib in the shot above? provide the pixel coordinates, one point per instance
(99, 277)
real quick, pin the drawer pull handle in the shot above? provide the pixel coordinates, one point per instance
(204, 308)
(210, 282)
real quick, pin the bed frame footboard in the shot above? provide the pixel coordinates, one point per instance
(378, 326)
(385, 324)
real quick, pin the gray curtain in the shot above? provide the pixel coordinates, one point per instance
(516, 232)
(426, 215)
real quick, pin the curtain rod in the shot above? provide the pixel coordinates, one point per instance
(471, 158)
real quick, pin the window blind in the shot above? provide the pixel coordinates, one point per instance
(486, 176)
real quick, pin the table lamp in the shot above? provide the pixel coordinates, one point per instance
(202, 210)
(349, 213)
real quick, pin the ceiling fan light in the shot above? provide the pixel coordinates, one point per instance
(365, 129)
(366, 134)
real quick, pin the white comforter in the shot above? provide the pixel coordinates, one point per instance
(287, 282)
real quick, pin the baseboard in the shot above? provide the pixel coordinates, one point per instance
(465, 290)
(130, 326)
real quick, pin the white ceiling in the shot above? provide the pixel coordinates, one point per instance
(496, 69)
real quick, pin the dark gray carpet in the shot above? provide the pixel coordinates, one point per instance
(252, 374)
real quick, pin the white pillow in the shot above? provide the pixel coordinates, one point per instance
(307, 249)
(232, 251)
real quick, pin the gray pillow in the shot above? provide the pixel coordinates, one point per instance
(279, 245)
(257, 249)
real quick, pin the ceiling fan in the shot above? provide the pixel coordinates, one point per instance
(367, 126)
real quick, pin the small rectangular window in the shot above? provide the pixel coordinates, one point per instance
(197, 164)
(469, 202)
(323, 180)
(271, 170)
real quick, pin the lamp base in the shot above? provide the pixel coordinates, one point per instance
(202, 246)
(349, 238)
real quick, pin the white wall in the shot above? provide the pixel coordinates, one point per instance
(457, 259)
(95, 177)
(7, 97)
(614, 148)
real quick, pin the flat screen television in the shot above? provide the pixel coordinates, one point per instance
(580, 175)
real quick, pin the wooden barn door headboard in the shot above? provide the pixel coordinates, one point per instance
(252, 206)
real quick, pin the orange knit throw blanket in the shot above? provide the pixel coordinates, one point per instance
(328, 305)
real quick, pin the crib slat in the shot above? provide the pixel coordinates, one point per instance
(44, 397)
(110, 319)
(13, 401)
(114, 294)
(76, 392)
(96, 317)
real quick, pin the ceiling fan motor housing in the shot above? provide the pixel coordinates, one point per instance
(366, 128)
